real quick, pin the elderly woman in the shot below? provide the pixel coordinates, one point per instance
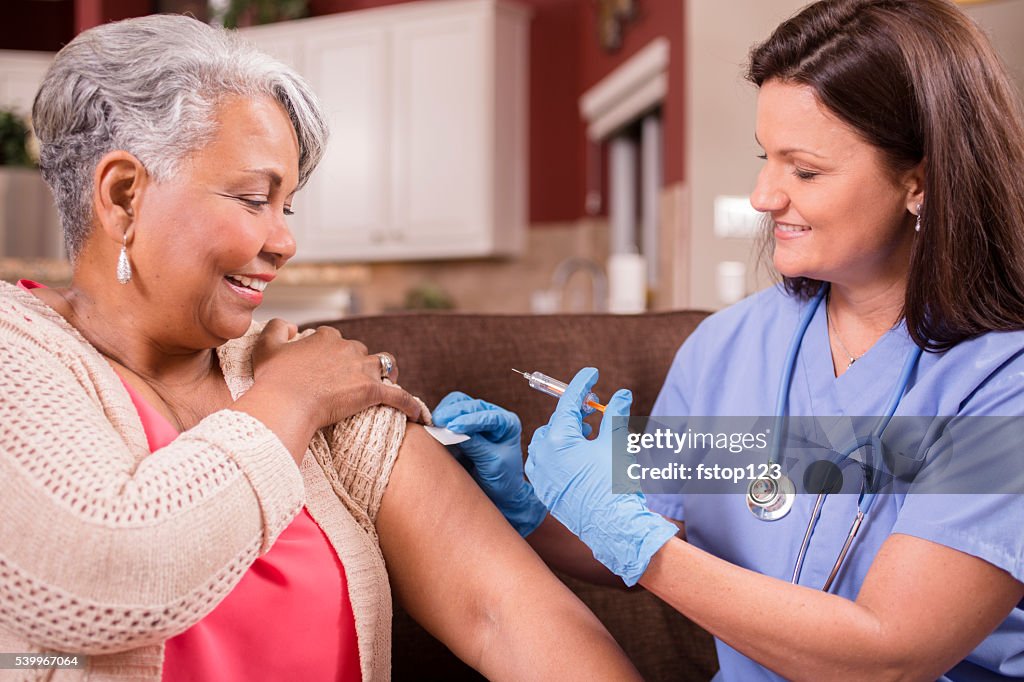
(186, 494)
(893, 144)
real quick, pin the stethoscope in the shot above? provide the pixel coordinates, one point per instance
(770, 498)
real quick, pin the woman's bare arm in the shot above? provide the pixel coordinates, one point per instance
(463, 573)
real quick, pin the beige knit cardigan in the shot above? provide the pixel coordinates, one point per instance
(108, 550)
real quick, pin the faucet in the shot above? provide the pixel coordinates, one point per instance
(569, 267)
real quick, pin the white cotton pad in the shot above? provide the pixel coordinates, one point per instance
(444, 436)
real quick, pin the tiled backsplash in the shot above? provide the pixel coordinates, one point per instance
(493, 286)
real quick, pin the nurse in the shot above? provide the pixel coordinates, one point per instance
(893, 147)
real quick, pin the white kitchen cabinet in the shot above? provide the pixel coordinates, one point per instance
(427, 107)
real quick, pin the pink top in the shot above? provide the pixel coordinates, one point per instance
(289, 618)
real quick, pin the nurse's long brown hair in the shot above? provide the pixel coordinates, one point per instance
(920, 81)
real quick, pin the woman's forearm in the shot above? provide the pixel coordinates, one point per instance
(289, 423)
(135, 516)
(795, 631)
(803, 633)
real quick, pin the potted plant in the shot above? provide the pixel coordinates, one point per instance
(239, 13)
(14, 140)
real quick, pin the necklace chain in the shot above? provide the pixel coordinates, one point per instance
(842, 346)
(176, 420)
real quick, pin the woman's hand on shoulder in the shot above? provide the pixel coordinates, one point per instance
(326, 376)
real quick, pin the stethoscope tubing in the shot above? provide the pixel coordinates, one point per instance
(782, 401)
(867, 495)
(782, 398)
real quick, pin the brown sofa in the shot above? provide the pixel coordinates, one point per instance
(442, 352)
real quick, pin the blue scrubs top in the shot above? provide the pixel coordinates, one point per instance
(731, 366)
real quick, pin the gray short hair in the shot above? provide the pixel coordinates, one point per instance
(151, 86)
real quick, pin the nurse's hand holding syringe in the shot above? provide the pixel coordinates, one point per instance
(495, 450)
(572, 475)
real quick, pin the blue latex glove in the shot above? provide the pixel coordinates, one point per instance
(573, 477)
(496, 455)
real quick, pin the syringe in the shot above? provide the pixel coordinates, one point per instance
(546, 384)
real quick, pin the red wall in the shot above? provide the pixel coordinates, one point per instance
(557, 145)
(89, 13)
(655, 18)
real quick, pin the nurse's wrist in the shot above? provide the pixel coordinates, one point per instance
(627, 537)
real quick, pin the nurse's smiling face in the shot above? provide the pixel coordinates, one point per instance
(841, 214)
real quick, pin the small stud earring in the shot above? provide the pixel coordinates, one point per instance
(917, 225)
(124, 268)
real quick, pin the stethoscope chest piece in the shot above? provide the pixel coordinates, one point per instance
(769, 499)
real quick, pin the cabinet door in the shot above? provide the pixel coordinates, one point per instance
(412, 165)
(343, 212)
(283, 42)
(347, 198)
(442, 109)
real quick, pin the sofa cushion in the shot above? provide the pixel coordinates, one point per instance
(442, 352)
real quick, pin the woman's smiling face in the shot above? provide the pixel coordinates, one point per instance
(840, 214)
(207, 240)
